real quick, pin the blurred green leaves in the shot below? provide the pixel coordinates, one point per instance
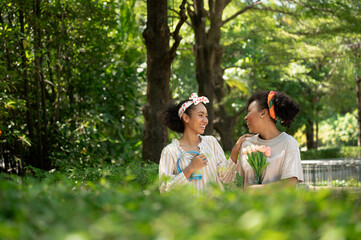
(108, 207)
(93, 87)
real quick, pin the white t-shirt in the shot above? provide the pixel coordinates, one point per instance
(218, 169)
(285, 159)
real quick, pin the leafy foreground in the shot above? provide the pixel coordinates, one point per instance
(59, 206)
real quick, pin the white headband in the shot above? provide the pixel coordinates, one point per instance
(194, 99)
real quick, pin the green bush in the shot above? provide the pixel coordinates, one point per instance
(351, 152)
(321, 153)
(329, 153)
(135, 172)
(339, 130)
(341, 183)
(61, 207)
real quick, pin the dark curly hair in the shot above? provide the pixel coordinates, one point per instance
(285, 107)
(170, 117)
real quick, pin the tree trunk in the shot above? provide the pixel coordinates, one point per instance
(41, 126)
(317, 131)
(356, 49)
(208, 52)
(5, 45)
(358, 99)
(310, 139)
(156, 35)
(224, 125)
(45, 161)
(202, 54)
(24, 60)
(58, 69)
(159, 60)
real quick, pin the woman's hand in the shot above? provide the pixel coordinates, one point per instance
(256, 186)
(237, 147)
(284, 183)
(197, 163)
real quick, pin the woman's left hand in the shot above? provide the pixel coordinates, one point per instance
(256, 186)
(238, 145)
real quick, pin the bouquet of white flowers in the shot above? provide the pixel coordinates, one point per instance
(257, 156)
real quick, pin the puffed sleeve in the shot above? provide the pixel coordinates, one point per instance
(168, 173)
(226, 169)
(291, 166)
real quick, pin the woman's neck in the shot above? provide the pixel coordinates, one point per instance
(189, 139)
(269, 133)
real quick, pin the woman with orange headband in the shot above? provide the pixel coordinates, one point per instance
(267, 109)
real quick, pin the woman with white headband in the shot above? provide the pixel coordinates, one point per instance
(193, 159)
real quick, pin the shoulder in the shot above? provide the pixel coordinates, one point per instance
(288, 137)
(169, 153)
(254, 138)
(208, 139)
(209, 142)
(251, 140)
(291, 141)
(171, 147)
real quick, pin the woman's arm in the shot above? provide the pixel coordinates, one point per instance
(289, 182)
(167, 170)
(197, 163)
(226, 170)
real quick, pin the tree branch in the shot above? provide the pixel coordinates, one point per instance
(330, 73)
(242, 11)
(303, 4)
(270, 63)
(329, 54)
(186, 22)
(175, 34)
(275, 10)
(335, 30)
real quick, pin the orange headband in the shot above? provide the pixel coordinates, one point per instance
(271, 106)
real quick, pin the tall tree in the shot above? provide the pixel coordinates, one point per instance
(207, 23)
(41, 109)
(336, 26)
(24, 66)
(356, 51)
(69, 82)
(159, 59)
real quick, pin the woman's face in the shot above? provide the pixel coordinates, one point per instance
(253, 117)
(198, 119)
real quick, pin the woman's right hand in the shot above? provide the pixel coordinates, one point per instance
(197, 163)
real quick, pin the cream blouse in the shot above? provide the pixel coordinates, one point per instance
(218, 169)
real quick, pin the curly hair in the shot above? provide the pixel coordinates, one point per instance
(285, 107)
(170, 118)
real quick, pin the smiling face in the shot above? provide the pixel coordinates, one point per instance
(254, 117)
(198, 119)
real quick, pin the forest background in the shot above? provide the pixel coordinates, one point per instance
(82, 82)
